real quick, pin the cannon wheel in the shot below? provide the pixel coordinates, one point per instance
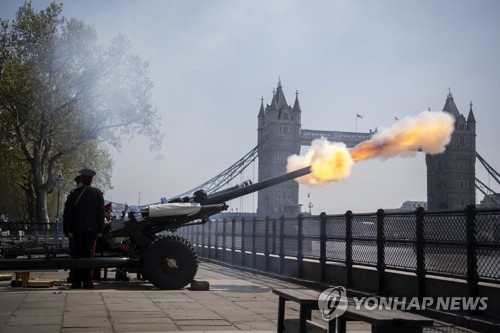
(170, 262)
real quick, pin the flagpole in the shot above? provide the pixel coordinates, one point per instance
(357, 116)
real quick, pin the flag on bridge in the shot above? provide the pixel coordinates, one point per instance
(359, 116)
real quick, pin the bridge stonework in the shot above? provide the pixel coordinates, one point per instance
(450, 176)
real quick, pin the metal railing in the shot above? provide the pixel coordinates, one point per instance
(459, 244)
(29, 230)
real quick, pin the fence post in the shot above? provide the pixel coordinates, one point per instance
(197, 236)
(300, 248)
(203, 241)
(243, 245)
(282, 246)
(216, 240)
(348, 247)
(254, 242)
(420, 251)
(380, 250)
(472, 274)
(266, 245)
(209, 243)
(224, 241)
(322, 246)
(233, 239)
(275, 237)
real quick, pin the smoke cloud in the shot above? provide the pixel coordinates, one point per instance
(329, 161)
(332, 161)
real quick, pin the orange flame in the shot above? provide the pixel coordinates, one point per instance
(429, 131)
(332, 161)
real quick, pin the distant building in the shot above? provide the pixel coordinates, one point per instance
(412, 205)
(408, 206)
(279, 130)
(451, 176)
(490, 201)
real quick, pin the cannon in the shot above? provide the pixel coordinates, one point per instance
(153, 250)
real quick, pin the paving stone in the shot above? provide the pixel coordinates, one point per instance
(133, 304)
(251, 326)
(10, 302)
(152, 327)
(228, 310)
(193, 315)
(203, 322)
(122, 294)
(85, 330)
(34, 320)
(86, 322)
(42, 305)
(87, 312)
(243, 317)
(85, 302)
(211, 329)
(136, 314)
(39, 312)
(141, 320)
(34, 329)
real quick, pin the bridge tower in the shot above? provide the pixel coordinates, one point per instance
(451, 175)
(278, 134)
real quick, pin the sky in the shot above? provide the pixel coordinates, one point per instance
(212, 61)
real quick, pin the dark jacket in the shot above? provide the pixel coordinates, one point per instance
(84, 211)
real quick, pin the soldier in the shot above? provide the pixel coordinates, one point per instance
(83, 221)
(78, 183)
(108, 211)
(107, 243)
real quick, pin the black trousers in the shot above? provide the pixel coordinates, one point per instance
(84, 247)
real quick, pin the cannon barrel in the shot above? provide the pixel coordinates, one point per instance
(226, 195)
(207, 205)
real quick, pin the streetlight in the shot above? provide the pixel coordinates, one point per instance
(59, 185)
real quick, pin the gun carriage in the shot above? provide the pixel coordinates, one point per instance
(153, 250)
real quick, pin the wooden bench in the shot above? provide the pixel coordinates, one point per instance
(382, 321)
(308, 301)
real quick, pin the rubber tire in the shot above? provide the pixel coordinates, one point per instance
(155, 263)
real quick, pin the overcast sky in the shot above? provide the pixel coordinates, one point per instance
(212, 61)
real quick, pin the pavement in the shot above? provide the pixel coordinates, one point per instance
(236, 301)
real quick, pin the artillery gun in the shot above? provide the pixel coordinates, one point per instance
(154, 251)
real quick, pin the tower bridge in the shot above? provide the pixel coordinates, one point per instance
(451, 181)
(350, 139)
(279, 131)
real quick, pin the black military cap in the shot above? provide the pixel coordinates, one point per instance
(87, 172)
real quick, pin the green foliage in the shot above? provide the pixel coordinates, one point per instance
(63, 97)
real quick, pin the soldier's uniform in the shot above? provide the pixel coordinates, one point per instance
(83, 220)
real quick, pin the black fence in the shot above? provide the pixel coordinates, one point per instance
(29, 230)
(459, 244)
